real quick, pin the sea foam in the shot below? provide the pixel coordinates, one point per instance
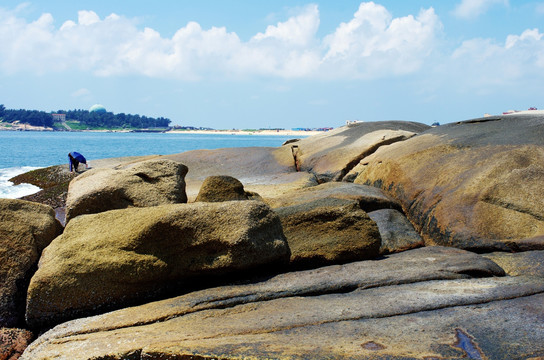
(9, 190)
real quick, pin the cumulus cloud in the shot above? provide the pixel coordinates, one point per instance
(374, 43)
(371, 44)
(470, 9)
(488, 62)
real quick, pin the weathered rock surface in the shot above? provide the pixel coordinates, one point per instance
(119, 257)
(396, 232)
(331, 155)
(26, 228)
(369, 198)
(258, 168)
(141, 184)
(13, 342)
(474, 185)
(223, 188)
(516, 264)
(421, 303)
(328, 231)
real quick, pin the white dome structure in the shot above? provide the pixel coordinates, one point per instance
(97, 108)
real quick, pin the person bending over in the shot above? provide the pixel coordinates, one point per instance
(75, 159)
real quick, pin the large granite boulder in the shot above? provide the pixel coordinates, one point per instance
(120, 257)
(328, 231)
(13, 342)
(331, 155)
(26, 228)
(474, 185)
(396, 232)
(428, 303)
(140, 184)
(223, 188)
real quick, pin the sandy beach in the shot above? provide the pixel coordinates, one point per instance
(294, 133)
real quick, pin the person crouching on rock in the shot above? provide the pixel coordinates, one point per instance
(75, 159)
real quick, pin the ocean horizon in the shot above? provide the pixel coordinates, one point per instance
(23, 151)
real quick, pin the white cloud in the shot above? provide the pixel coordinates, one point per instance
(372, 44)
(486, 62)
(298, 30)
(375, 44)
(470, 9)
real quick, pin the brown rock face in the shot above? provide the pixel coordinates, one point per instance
(120, 257)
(13, 342)
(223, 188)
(328, 231)
(26, 228)
(331, 155)
(475, 185)
(142, 184)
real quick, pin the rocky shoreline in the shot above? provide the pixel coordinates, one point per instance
(383, 240)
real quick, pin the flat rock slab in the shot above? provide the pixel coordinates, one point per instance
(524, 263)
(476, 185)
(291, 315)
(120, 257)
(369, 198)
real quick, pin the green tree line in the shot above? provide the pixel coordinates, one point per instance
(90, 119)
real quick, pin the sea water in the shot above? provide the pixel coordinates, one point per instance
(22, 151)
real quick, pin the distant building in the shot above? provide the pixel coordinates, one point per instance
(97, 108)
(59, 117)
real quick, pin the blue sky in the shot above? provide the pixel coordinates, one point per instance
(262, 64)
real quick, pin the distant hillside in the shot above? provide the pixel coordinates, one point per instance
(81, 119)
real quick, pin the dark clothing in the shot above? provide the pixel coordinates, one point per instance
(76, 158)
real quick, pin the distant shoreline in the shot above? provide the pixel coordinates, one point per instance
(294, 133)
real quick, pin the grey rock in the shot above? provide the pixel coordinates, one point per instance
(396, 231)
(306, 314)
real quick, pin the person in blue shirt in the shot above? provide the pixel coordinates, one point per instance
(75, 159)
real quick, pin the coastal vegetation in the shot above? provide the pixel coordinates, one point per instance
(81, 119)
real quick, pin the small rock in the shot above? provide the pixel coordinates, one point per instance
(223, 188)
